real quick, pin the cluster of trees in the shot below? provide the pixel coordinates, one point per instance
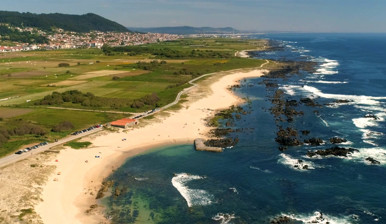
(150, 65)
(165, 52)
(20, 128)
(83, 23)
(63, 64)
(185, 71)
(9, 34)
(90, 100)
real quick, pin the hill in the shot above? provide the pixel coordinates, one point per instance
(184, 30)
(78, 23)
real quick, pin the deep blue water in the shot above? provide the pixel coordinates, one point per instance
(254, 181)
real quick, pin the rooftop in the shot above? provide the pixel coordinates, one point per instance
(122, 122)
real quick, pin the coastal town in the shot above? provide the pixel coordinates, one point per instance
(61, 39)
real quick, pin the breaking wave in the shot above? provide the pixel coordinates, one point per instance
(377, 153)
(193, 197)
(372, 120)
(365, 100)
(296, 164)
(325, 82)
(224, 218)
(318, 218)
(327, 67)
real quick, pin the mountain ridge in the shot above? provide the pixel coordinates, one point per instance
(77, 23)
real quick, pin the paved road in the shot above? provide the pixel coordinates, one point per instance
(15, 157)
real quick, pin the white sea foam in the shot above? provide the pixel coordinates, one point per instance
(234, 190)
(363, 123)
(224, 218)
(296, 164)
(289, 89)
(364, 100)
(367, 212)
(141, 178)
(325, 82)
(370, 142)
(371, 108)
(193, 197)
(318, 218)
(376, 153)
(324, 121)
(302, 51)
(328, 67)
(257, 168)
(345, 143)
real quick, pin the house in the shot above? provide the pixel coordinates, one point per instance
(124, 123)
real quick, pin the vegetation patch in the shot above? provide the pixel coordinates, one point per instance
(89, 100)
(78, 145)
(63, 126)
(25, 212)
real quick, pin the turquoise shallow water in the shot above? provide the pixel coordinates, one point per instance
(254, 181)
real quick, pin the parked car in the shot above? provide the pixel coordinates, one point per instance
(19, 152)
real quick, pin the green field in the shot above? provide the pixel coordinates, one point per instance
(127, 75)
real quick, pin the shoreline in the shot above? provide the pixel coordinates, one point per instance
(77, 181)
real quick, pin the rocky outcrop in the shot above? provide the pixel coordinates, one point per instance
(372, 161)
(309, 102)
(222, 142)
(334, 151)
(283, 219)
(287, 137)
(314, 141)
(199, 145)
(300, 165)
(220, 132)
(372, 116)
(337, 140)
(106, 185)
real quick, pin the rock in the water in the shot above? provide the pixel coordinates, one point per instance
(373, 161)
(314, 141)
(342, 101)
(282, 148)
(283, 219)
(222, 142)
(309, 102)
(372, 116)
(200, 146)
(334, 151)
(337, 140)
(305, 132)
(287, 137)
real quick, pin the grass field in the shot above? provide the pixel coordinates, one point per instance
(78, 145)
(27, 77)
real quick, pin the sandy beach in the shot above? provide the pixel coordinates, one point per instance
(71, 190)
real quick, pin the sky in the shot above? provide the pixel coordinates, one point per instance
(252, 15)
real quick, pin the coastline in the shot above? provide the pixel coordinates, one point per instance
(67, 199)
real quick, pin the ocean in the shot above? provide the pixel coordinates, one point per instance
(254, 181)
